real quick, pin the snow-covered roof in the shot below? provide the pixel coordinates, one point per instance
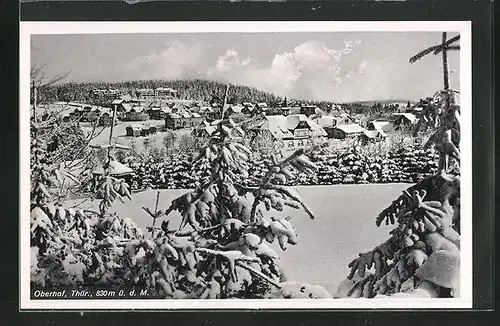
(137, 127)
(236, 108)
(144, 90)
(101, 109)
(384, 126)
(178, 106)
(165, 89)
(137, 109)
(283, 126)
(343, 116)
(372, 134)
(115, 169)
(127, 106)
(206, 109)
(409, 116)
(209, 129)
(326, 121)
(351, 128)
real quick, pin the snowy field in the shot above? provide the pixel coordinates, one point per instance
(344, 227)
(120, 132)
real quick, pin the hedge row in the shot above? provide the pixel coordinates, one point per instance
(403, 166)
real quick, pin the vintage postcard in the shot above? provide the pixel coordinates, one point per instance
(245, 165)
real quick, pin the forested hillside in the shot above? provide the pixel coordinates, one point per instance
(188, 89)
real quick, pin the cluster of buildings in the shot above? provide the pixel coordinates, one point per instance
(76, 111)
(291, 125)
(295, 126)
(104, 95)
(160, 93)
(344, 126)
(136, 130)
(108, 95)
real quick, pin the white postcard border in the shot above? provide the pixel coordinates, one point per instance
(37, 28)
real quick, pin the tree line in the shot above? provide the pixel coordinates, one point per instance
(199, 90)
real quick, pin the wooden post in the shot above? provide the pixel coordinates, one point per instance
(34, 101)
(224, 102)
(156, 212)
(445, 62)
(111, 131)
(444, 46)
(446, 78)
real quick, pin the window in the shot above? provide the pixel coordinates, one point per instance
(290, 144)
(301, 132)
(300, 143)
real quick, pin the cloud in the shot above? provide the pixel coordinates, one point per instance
(177, 60)
(227, 62)
(311, 71)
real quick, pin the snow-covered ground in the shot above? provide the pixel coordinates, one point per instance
(119, 133)
(343, 228)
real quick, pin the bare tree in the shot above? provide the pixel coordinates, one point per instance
(40, 80)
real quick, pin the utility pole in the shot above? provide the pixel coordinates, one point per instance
(34, 100)
(443, 48)
(111, 131)
(446, 72)
(224, 102)
(111, 145)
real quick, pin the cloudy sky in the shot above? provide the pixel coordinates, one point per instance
(334, 66)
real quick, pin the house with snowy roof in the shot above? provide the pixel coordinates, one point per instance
(164, 93)
(380, 125)
(309, 110)
(182, 119)
(115, 169)
(368, 136)
(403, 120)
(345, 131)
(205, 129)
(290, 131)
(145, 93)
(209, 112)
(173, 121)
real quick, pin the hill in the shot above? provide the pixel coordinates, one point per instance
(383, 102)
(199, 90)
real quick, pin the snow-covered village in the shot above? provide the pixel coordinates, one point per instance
(312, 166)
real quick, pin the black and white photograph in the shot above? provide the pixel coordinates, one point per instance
(279, 164)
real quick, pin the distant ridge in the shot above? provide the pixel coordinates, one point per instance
(386, 101)
(197, 89)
